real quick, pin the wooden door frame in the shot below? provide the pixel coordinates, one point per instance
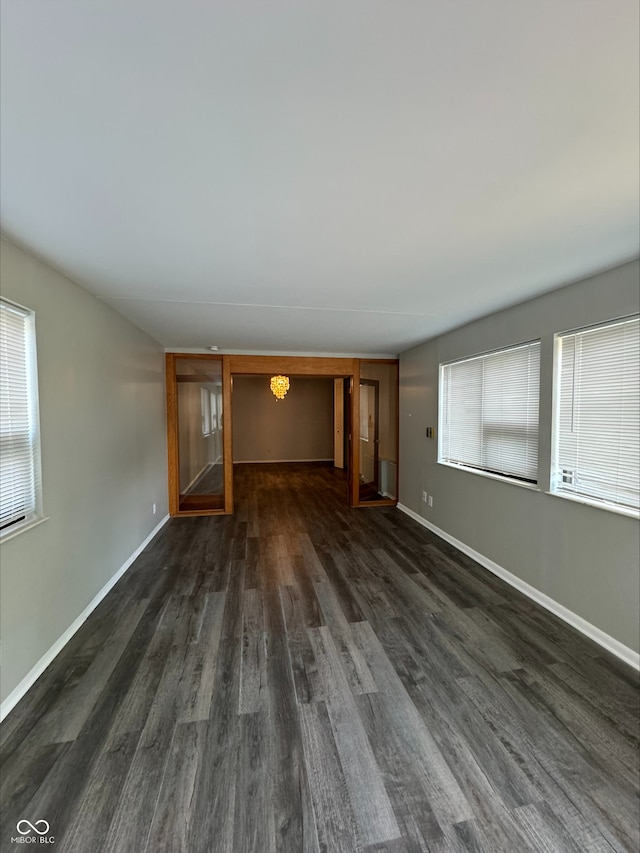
(355, 485)
(173, 449)
(346, 368)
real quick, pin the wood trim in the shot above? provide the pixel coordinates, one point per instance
(355, 435)
(296, 365)
(227, 435)
(397, 414)
(207, 356)
(172, 433)
(189, 512)
(349, 402)
(193, 377)
(201, 503)
(338, 423)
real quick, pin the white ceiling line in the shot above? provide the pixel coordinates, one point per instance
(265, 305)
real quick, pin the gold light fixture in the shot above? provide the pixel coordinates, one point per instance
(279, 386)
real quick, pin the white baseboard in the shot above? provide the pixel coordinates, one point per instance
(29, 680)
(624, 653)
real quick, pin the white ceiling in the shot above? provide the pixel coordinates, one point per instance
(327, 176)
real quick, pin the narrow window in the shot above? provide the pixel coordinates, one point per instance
(20, 491)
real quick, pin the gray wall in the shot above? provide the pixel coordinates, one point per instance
(583, 557)
(299, 427)
(102, 420)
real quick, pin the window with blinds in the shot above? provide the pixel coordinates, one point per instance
(19, 429)
(489, 412)
(596, 440)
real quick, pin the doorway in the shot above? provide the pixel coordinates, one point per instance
(304, 425)
(375, 481)
(199, 414)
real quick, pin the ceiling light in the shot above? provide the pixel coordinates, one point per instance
(279, 386)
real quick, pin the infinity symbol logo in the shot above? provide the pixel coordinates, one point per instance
(32, 827)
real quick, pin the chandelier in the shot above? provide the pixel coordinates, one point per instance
(279, 386)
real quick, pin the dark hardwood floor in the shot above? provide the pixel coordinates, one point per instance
(306, 677)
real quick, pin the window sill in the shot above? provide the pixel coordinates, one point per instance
(532, 487)
(10, 533)
(579, 499)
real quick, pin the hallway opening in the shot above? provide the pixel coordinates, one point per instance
(212, 426)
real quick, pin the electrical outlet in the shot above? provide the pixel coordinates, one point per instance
(430, 500)
(155, 508)
(424, 497)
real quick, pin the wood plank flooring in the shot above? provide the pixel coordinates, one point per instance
(310, 678)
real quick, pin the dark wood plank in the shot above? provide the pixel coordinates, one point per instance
(335, 821)
(20, 780)
(293, 816)
(304, 667)
(403, 780)
(201, 663)
(60, 792)
(355, 667)
(411, 737)
(372, 809)
(214, 799)
(254, 826)
(92, 819)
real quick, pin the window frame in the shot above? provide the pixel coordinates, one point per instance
(489, 473)
(36, 515)
(554, 461)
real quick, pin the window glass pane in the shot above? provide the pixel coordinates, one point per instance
(489, 412)
(596, 451)
(19, 427)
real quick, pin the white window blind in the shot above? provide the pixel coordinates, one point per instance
(489, 412)
(19, 438)
(597, 414)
